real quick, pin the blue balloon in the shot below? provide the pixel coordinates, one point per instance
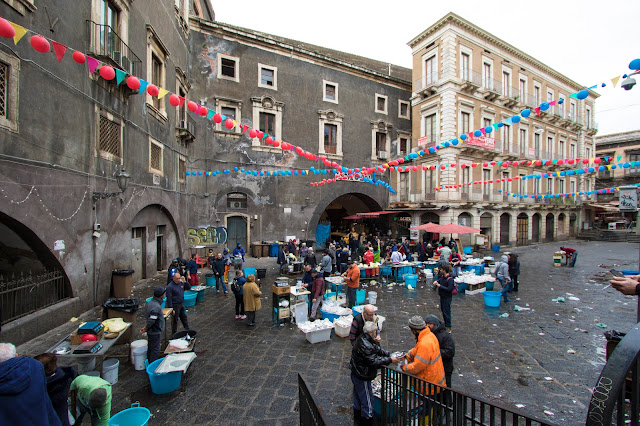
(295, 172)
(525, 113)
(500, 124)
(431, 150)
(591, 170)
(344, 170)
(454, 142)
(544, 106)
(227, 171)
(188, 173)
(580, 171)
(235, 169)
(413, 155)
(463, 137)
(604, 85)
(634, 65)
(571, 172)
(199, 173)
(334, 171)
(477, 133)
(600, 169)
(614, 167)
(583, 94)
(515, 118)
(311, 168)
(560, 101)
(538, 176)
(626, 165)
(488, 129)
(324, 171)
(446, 144)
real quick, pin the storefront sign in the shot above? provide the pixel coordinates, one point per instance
(628, 199)
(482, 142)
(208, 235)
(414, 234)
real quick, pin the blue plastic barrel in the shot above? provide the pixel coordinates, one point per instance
(360, 296)
(164, 301)
(274, 249)
(134, 416)
(329, 316)
(411, 280)
(250, 271)
(466, 250)
(496, 249)
(492, 299)
(210, 280)
(200, 296)
(190, 298)
(162, 383)
(385, 271)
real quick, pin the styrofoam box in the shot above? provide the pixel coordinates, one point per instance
(319, 335)
(342, 331)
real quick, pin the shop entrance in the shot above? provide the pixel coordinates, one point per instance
(535, 227)
(332, 220)
(550, 225)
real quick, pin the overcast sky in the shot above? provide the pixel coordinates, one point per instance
(589, 41)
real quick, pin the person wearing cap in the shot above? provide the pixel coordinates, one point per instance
(352, 278)
(366, 357)
(173, 268)
(424, 360)
(447, 345)
(91, 395)
(317, 291)
(155, 324)
(239, 251)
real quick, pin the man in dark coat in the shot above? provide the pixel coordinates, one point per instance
(58, 384)
(155, 324)
(282, 259)
(447, 345)
(175, 300)
(218, 272)
(366, 357)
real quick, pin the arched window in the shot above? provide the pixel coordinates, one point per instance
(236, 201)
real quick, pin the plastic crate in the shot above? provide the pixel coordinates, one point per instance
(319, 335)
(342, 331)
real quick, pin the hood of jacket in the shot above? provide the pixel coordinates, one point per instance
(15, 375)
(504, 258)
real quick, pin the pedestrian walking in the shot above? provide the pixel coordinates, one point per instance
(446, 285)
(514, 270)
(175, 300)
(238, 253)
(502, 275)
(366, 357)
(352, 278)
(219, 269)
(252, 302)
(155, 324)
(237, 287)
(317, 291)
(310, 259)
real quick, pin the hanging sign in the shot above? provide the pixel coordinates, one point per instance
(628, 198)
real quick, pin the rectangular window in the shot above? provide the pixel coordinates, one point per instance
(572, 186)
(561, 185)
(381, 104)
(588, 152)
(522, 185)
(486, 76)
(486, 175)
(549, 185)
(155, 158)
(466, 122)
(632, 170)
(506, 88)
(4, 88)
(267, 77)
(109, 137)
(430, 181)
(403, 111)
(523, 142)
(536, 144)
(560, 107)
(536, 186)
(156, 77)
(430, 128)
(536, 95)
(523, 89)
(330, 92)
(182, 169)
(430, 71)
(465, 66)
(236, 201)
(109, 25)
(549, 147)
(572, 111)
(381, 142)
(137, 233)
(229, 113)
(267, 125)
(549, 96)
(228, 67)
(466, 177)
(572, 151)
(403, 145)
(561, 150)
(486, 122)
(330, 141)
(588, 118)
(505, 183)
(506, 135)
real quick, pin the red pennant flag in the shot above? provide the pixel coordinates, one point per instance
(552, 103)
(60, 50)
(182, 100)
(537, 110)
(244, 128)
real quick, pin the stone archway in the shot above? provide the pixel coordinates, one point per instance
(536, 221)
(505, 228)
(426, 218)
(466, 219)
(562, 225)
(486, 226)
(573, 225)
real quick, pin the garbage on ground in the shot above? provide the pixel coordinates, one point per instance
(520, 405)
(601, 325)
(549, 413)
(520, 308)
(579, 329)
(571, 351)
(574, 298)
(559, 300)
(505, 315)
(549, 379)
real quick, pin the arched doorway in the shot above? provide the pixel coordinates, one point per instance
(505, 227)
(154, 239)
(237, 231)
(466, 219)
(486, 226)
(561, 225)
(535, 227)
(332, 222)
(550, 226)
(573, 224)
(523, 230)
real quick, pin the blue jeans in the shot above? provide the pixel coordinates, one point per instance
(456, 271)
(506, 288)
(445, 307)
(574, 257)
(220, 280)
(362, 397)
(351, 296)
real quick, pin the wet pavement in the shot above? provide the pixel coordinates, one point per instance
(545, 358)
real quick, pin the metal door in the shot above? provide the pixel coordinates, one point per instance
(138, 253)
(549, 235)
(523, 230)
(237, 232)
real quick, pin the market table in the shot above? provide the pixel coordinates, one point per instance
(299, 294)
(167, 313)
(64, 349)
(338, 281)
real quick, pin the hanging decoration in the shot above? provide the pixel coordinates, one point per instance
(611, 190)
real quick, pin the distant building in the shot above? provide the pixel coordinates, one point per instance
(464, 78)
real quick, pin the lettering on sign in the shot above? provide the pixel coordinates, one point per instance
(208, 235)
(482, 142)
(424, 141)
(628, 199)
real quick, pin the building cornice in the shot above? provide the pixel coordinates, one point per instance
(455, 20)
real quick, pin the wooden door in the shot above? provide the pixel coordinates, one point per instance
(237, 232)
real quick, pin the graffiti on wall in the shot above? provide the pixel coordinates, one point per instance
(208, 235)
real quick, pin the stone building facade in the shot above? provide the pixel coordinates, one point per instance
(463, 79)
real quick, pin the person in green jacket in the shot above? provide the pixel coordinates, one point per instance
(92, 395)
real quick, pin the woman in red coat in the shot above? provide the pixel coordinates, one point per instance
(368, 256)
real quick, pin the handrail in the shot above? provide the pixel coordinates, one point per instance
(311, 414)
(106, 43)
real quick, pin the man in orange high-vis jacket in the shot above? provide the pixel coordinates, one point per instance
(352, 278)
(424, 359)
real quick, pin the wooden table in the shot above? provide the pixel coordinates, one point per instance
(167, 313)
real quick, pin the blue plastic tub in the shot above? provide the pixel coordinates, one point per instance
(249, 271)
(200, 296)
(385, 271)
(134, 416)
(462, 287)
(411, 280)
(210, 280)
(629, 272)
(496, 249)
(162, 383)
(492, 299)
(360, 296)
(330, 317)
(164, 301)
(466, 250)
(190, 298)
(479, 269)
(489, 285)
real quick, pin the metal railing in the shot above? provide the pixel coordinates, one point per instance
(406, 399)
(473, 77)
(310, 411)
(106, 43)
(21, 296)
(427, 79)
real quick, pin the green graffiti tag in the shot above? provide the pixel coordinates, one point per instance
(208, 235)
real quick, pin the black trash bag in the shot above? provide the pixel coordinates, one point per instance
(123, 272)
(613, 335)
(122, 305)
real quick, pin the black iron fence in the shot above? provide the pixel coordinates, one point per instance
(104, 42)
(405, 399)
(310, 411)
(20, 296)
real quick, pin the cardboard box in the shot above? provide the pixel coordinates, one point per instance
(284, 313)
(281, 290)
(76, 338)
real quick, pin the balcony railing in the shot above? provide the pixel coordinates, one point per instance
(104, 42)
(471, 77)
(424, 82)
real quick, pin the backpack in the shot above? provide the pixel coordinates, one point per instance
(235, 287)
(455, 289)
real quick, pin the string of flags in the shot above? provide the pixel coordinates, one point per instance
(611, 190)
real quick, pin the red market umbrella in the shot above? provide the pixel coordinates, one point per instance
(453, 228)
(429, 227)
(354, 217)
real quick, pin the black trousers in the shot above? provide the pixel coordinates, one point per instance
(179, 311)
(239, 304)
(154, 346)
(251, 317)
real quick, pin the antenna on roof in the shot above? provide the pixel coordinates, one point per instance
(389, 70)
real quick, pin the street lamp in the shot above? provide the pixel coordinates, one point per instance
(629, 82)
(123, 182)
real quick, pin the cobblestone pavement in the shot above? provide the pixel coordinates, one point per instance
(248, 375)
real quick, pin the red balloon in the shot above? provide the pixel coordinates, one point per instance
(40, 44)
(538, 163)
(133, 83)
(559, 162)
(585, 161)
(174, 100)
(203, 111)
(276, 143)
(474, 164)
(299, 150)
(400, 160)
(570, 161)
(334, 164)
(286, 146)
(228, 123)
(78, 57)
(485, 164)
(252, 133)
(515, 164)
(107, 72)
(509, 179)
(596, 160)
(153, 90)
(218, 119)
(493, 163)
(548, 163)
(452, 164)
(260, 134)
(463, 166)
(269, 140)
(414, 168)
(529, 163)
(442, 167)
(6, 30)
(193, 107)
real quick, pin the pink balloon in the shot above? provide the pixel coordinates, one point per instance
(107, 72)
(40, 44)
(6, 30)
(133, 83)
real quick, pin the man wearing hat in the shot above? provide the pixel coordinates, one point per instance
(173, 268)
(155, 324)
(92, 395)
(447, 345)
(424, 360)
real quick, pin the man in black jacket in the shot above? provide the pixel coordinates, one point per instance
(447, 345)
(218, 272)
(155, 324)
(366, 357)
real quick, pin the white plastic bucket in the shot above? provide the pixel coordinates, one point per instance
(137, 344)
(373, 296)
(139, 356)
(86, 364)
(110, 370)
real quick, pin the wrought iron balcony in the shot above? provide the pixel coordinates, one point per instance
(107, 45)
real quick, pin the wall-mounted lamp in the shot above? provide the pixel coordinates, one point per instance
(123, 182)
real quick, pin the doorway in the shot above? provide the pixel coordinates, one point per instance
(160, 251)
(573, 223)
(139, 252)
(523, 229)
(535, 225)
(505, 225)
(486, 226)
(237, 232)
(549, 220)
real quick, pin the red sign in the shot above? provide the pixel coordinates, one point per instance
(424, 141)
(482, 142)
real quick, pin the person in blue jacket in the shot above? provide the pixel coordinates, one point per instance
(238, 251)
(58, 384)
(23, 391)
